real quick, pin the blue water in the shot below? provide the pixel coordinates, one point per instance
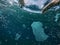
(15, 26)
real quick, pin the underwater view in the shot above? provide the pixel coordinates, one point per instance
(28, 25)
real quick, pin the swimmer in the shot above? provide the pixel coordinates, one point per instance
(45, 8)
(49, 5)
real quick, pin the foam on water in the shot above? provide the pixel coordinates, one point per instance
(33, 11)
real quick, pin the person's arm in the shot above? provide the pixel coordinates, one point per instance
(49, 5)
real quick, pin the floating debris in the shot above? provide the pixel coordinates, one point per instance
(57, 17)
(17, 36)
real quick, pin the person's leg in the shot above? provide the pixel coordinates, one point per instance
(21, 2)
(51, 4)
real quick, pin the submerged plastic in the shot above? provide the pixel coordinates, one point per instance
(38, 31)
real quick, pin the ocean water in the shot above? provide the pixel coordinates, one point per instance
(19, 26)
